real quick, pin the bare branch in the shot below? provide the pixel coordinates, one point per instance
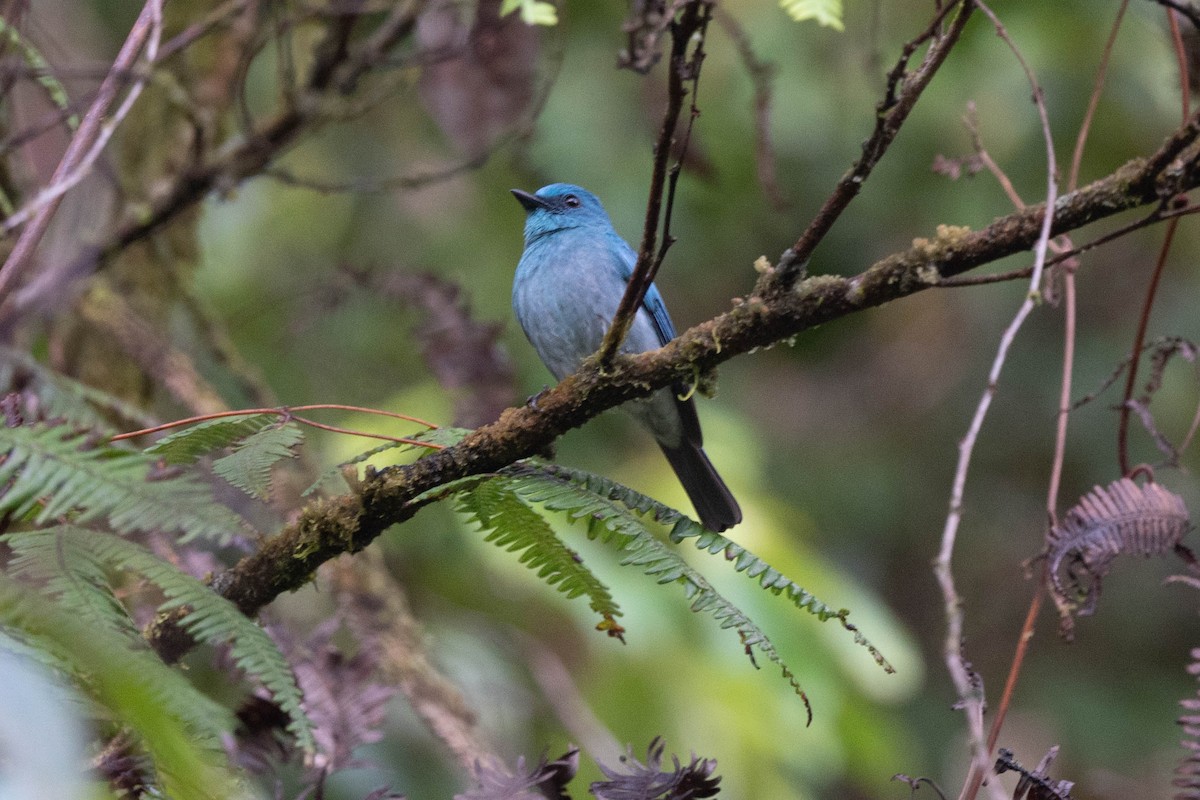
(891, 113)
(692, 22)
(85, 147)
(966, 682)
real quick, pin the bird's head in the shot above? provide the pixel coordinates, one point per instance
(560, 206)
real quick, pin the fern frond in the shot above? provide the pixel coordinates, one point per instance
(74, 576)
(1122, 517)
(735, 555)
(614, 523)
(49, 471)
(514, 526)
(248, 467)
(60, 396)
(210, 617)
(196, 441)
(179, 726)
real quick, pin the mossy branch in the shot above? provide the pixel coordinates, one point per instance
(777, 309)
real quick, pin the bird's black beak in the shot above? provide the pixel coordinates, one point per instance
(531, 202)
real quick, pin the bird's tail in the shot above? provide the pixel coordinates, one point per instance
(708, 493)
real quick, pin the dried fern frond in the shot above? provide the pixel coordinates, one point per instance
(1187, 772)
(1035, 784)
(1108, 521)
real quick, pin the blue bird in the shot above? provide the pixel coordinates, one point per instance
(568, 285)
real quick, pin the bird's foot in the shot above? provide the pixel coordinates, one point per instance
(532, 400)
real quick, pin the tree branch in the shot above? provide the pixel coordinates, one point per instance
(693, 21)
(85, 145)
(770, 313)
(890, 115)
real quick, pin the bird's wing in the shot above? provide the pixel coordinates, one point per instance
(653, 301)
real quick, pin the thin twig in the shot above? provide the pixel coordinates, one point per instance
(1064, 401)
(692, 21)
(891, 113)
(1185, 8)
(971, 121)
(85, 146)
(285, 411)
(966, 682)
(762, 75)
(1159, 265)
(1086, 126)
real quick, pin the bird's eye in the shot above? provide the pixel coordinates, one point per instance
(571, 201)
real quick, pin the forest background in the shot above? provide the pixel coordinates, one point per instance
(353, 241)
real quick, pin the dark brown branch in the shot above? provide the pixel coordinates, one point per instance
(346, 524)
(336, 70)
(693, 20)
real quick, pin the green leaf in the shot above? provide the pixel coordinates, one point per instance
(60, 396)
(248, 467)
(179, 727)
(598, 503)
(494, 506)
(533, 12)
(194, 442)
(332, 480)
(71, 561)
(825, 12)
(51, 471)
(733, 554)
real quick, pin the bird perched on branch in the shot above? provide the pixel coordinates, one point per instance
(568, 285)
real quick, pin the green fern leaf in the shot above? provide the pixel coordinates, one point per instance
(74, 576)
(203, 438)
(180, 727)
(613, 522)
(533, 12)
(742, 560)
(825, 12)
(61, 397)
(248, 467)
(40, 67)
(210, 617)
(514, 526)
(49, 471)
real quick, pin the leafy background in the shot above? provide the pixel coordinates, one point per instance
(840, 447)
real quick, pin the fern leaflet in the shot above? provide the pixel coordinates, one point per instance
(60, 396)
(210, 617)
(509, 523)
(179, 726)
(334, 481)
(614, 523)
(192, 443)
(49, 471)
(742, 560)
(248, 467)
(825, 12)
